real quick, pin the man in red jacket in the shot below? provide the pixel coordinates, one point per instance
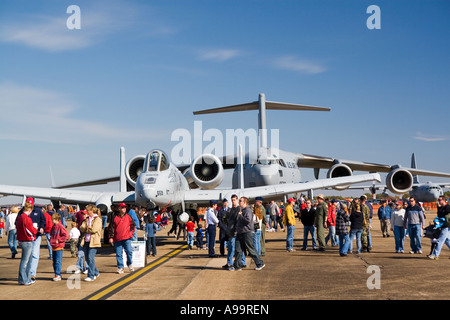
(120, 234)
(26, 235)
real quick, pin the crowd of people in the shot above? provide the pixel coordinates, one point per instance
(241, 227)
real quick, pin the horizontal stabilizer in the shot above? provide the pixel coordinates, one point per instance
(270, 105)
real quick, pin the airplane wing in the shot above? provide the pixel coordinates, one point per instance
(89, 183)
(311, 161)
(276, 191)
(64, 196)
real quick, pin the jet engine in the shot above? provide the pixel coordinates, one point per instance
(133, 169)
(399, 181)
(340, 170)
(206, 172)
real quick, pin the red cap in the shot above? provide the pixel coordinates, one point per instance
(291, 199)
(30, 201)
(122, 205)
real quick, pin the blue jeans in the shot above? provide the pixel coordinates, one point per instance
(312, 230)
(81, 263)
(290, 237)
(57, 261)
(49, 247)
(12, 241)
(35, 255)
(190, 238)
(414, 236)
(89, 254)
(231, 245)
(344, 243)
(399, 236)
(331, 235)
(151, 245)
(120, 246)
(355, 233)
(257, 241)
(104, 221)
(211, 239)
(25, 261)
(444, 237)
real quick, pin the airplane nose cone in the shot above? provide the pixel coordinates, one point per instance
(144, 197)
(266, 175)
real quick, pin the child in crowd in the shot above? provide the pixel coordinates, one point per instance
(150, 231)
(74, 236)
(190, 228)
(433, 231)
(199, 236)
(58, 237)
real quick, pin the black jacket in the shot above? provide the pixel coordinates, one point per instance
(307, 218)
(357, 220)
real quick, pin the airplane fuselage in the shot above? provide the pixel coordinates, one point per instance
(426, 192)
(159, 184)
(278, 167)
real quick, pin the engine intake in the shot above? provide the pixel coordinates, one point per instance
(399, 181)
(340, 170)
(206, 171)
(134, 168)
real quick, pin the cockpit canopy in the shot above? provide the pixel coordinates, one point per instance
(156, 160)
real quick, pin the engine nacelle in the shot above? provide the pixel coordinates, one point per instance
(134, 168)
(399, 181)
(206, 171)
(340, 170)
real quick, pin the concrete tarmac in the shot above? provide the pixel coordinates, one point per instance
(177, 273)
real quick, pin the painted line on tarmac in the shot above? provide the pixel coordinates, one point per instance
(118, 285)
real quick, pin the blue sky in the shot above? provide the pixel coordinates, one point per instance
(136, 70)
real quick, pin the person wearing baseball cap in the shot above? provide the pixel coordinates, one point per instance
(120, 235)
(39, 222)
(289, 222)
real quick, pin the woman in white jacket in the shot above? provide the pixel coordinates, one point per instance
(397, 226)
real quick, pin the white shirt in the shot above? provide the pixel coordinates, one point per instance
(74, 233)
(211, 216)
(10, 222)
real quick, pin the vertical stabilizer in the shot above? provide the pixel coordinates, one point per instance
(123, 179)
(414, 166)
(262, 124)
(241, 168)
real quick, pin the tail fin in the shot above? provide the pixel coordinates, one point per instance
(414, 166)
(123, 179)
(52, 178)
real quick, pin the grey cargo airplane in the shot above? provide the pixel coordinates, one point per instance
(274, 166)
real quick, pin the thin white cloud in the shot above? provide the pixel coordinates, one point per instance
(34, 114)
(99, 21)
(431, 138)
(296, 64)
(219, 55)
